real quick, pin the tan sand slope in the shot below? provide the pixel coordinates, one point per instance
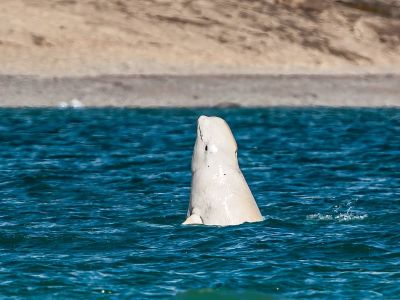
(89, 37)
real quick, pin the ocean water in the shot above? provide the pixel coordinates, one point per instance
(92, 202)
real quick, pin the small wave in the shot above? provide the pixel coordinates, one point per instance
(350, 217)
(74, 103)
(152, 225)
(342, 217)
(63, 104)
(319, 216)
(342, 212)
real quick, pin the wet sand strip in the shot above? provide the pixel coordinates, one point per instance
(202, 90)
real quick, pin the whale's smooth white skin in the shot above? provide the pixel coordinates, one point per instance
(219, 194)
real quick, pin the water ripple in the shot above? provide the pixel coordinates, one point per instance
(92, 202)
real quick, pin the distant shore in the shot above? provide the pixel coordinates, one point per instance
(206, 53)
(377, 90)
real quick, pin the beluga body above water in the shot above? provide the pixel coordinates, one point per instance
(219, 193)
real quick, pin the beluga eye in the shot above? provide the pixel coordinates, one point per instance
(206, 148)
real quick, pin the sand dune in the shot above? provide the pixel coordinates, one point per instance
(86, 37)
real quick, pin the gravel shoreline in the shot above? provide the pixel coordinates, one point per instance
(372, 90)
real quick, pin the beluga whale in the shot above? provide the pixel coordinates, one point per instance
(219, 192)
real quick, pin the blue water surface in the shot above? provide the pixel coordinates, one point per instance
(92, 202)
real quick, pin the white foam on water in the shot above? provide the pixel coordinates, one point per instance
(341, 217)
(75, 103)
(346, 217)
(341, 213)
(319, 216)
(63, 104)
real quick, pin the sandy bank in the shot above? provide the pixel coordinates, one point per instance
(85, 37)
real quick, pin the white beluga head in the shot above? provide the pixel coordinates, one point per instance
(215, 144)
(220, 194)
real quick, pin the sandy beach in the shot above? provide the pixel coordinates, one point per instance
(163, 53)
